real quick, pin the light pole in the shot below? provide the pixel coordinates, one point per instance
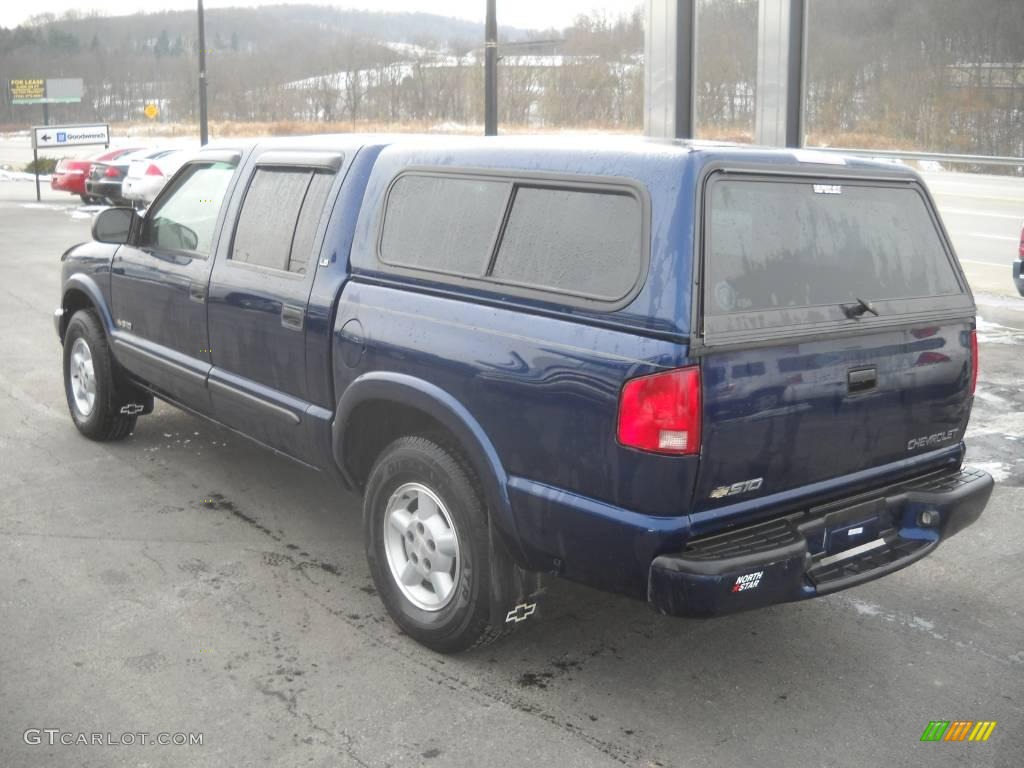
(203, 134)
(491, 71)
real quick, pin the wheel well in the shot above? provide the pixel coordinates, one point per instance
(374, 425)
(73, 301)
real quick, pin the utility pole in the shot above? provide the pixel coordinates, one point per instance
(491, 71)
(203, 134)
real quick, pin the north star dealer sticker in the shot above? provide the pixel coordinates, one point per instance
(749, 581)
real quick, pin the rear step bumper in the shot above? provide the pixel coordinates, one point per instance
(820, 550)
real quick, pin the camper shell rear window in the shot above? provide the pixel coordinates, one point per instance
(790, 255)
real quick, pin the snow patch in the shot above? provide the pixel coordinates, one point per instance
(44, 178)
(864, 608)
(993, 333)
(991, 397)
(46, 206)
(999, 470)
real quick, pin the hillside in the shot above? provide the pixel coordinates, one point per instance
(249, 27)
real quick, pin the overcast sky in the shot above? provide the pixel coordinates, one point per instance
(517, 13)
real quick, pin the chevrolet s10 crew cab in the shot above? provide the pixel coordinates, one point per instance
(709, 377)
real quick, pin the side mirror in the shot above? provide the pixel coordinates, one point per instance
(114, 225)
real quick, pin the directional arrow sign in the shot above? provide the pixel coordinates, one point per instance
(70, 135)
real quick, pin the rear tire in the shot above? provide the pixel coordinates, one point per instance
(422, 502)
(94, 387)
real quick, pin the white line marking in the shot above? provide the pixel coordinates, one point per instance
(986, 237)
(999, 264)
(967, 195)
(965, 212)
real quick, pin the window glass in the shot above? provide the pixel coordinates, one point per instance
(774, 245)
(445, 224)
(309, 217)
(185, 218)
(269, 213)
(579, 242)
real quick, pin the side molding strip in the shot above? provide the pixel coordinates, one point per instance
(266, 405)
(131, 349)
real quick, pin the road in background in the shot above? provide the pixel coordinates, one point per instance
(984, 216)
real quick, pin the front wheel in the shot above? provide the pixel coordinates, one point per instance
(90, 381)
(427, 544)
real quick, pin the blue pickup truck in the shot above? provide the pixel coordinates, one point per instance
(709, 377)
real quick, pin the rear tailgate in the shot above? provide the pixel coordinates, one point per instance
(803, 382)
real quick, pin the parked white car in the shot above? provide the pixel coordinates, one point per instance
(147, 176)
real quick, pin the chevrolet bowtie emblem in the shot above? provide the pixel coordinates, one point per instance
(521, 612)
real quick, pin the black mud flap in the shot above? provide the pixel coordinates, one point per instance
(515, 592)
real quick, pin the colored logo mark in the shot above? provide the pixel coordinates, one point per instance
(958, 730)
(61, 137)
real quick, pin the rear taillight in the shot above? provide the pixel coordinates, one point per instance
(661, 413)
(1020, 250)
(112, 172)
(974, 361)
(153, 171)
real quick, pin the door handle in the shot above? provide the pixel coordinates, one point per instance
(197, 292)
(861, 380)
(293, 317)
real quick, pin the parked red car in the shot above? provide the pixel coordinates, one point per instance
(71, 172)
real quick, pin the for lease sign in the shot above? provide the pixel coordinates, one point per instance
(70, 135)
(28, 91)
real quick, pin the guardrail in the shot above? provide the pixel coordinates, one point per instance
(938, 157)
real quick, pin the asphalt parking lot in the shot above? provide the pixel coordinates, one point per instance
(184, 581)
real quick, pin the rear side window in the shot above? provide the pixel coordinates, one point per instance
(582, 243)
(528, 236)
(778, 245)
(279, 215)
(309, 217)
(443, 224)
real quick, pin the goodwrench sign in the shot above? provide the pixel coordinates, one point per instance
(70, 135)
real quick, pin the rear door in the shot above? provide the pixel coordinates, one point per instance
(836, 329)
(259, 291)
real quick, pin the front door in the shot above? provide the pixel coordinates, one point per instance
(159, 284)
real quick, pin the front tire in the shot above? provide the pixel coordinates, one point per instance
(91, 381)
(427, 545)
